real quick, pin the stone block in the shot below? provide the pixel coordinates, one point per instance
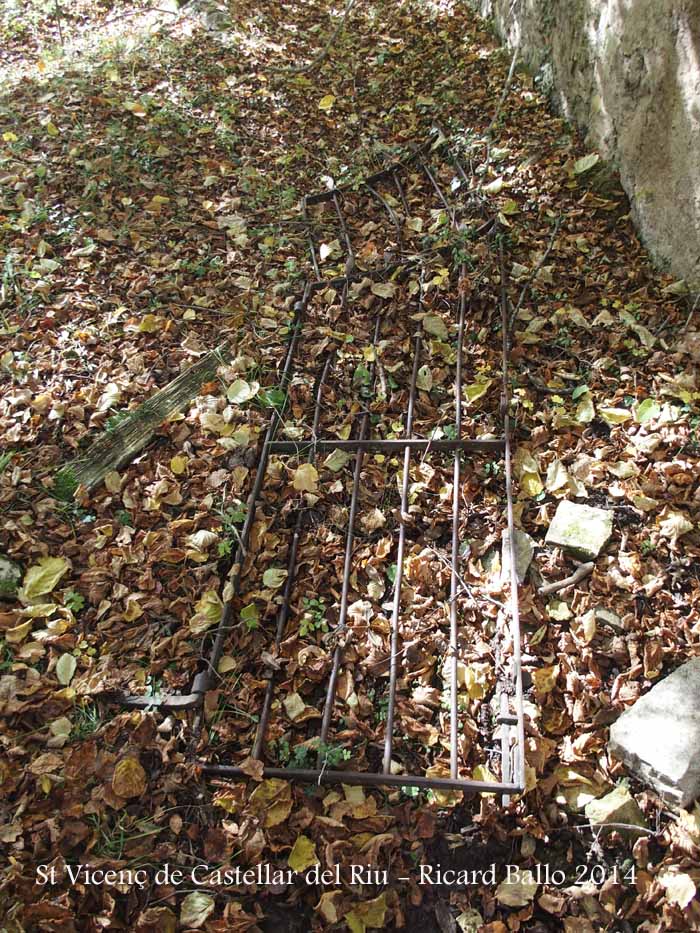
(582, 529)
(658, 738)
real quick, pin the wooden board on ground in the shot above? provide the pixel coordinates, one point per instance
(117, 446)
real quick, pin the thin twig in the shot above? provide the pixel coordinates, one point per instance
(583, 570)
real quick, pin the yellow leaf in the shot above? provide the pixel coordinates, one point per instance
(586, 163)
(13, 636)
(208, 612)
(494, 187)
(674, 524)
(135, 108)
(545, 678)
(112, 481)
(531, 484)
(195, 909)
(133, 610)
(273, 799)
(303, 855)
(482, 773)
(129, 778)
(477, 390)
(326, 103)
(52, 129)
(43, 577)
(226, 664)
(370, 914)
(384, 289)
(585, 410)
(615, 415)
(178, 465)
(150, 323)
(435, 325)
(306, 478)
(294, 706)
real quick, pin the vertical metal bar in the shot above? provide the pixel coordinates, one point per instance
(309, 231)
(402, 193)
(514, 605)
(227, 616)
(394, 660)
(392, 214)
(439, 191)
(347, 567)
(350, 264)
(505, 746)
(454, 577)
(283, 613)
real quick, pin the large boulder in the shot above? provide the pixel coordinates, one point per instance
(629, 73)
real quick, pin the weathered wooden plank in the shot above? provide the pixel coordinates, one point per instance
(116, 446)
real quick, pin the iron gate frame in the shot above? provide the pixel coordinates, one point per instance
(510, 720)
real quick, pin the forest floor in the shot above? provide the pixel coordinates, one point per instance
(152, 170)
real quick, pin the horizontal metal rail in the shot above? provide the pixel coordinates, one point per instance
(487, 445)
(365, 779)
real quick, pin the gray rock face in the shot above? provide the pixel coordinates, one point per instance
(10, 574)
(630, 74)
(659, 737)
(580, 528)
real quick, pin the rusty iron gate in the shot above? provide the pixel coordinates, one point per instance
(398, 262)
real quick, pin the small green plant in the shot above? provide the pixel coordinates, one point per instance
(64, 485)
(231, 518)
(5, 460)
(114, 833)
(301, 757)
(6, 657)
(647, 547)
(124, 518)
(314, 617)
(492, 468)
(74, 601)
(86, 721)
(382, 709)
(333, 755)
